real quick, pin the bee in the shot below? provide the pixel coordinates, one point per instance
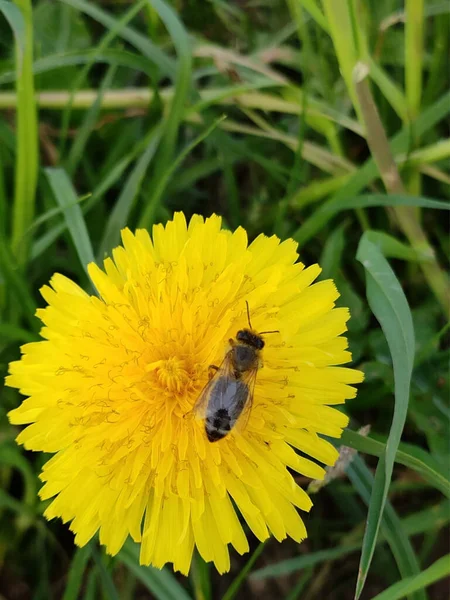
(228, 395)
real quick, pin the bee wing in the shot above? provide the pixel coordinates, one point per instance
(249, 378)
(201, 405)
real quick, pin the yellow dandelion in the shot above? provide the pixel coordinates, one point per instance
(112, 385)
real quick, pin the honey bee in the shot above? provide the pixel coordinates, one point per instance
(228, 395)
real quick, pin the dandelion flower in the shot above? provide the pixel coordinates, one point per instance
(112, 385)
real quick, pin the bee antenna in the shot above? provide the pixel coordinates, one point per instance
(248, 315)
(265, 332)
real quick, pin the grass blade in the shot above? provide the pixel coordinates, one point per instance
(161, 583)
(26, 171)
(438, 570)
(368, 172)
(66, 197)
(106, 581)
(139, 41)
(152, 205)
(182, 86)
(414, 54)
(391, 525)
(239, 580)
(408, 455)
(77, 569)
(389, 305)
(332, 207)
(120, 213)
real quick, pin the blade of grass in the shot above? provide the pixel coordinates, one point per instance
(239, 580)
(182, 81)
(87, 126)
(66, 197)
(121, 211)
(16, 285)
(438, 570)
(389, 305)
(147, 218)
(160, 582)
(26, 170)
(13, 333)
(407, 217)
(408, 455)
(116, 57)
(82, 75)
(414, 55)
(200, 576)
(364, 176)
(339, 21)
(77, 568)
(106, 581)
(390, 524)
(139, 41)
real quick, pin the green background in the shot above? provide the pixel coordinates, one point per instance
(324, 121)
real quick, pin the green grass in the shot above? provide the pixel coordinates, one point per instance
(318, 120)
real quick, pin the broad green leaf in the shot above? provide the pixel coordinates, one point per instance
(438, 570)
(389, 305)
(66, 198)
(160, 582)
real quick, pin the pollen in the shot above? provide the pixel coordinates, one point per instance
(111, 386)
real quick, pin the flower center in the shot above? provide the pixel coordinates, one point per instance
(171, 374)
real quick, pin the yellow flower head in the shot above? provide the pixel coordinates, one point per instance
(112, 386)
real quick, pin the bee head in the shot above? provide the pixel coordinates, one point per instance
(250, 338)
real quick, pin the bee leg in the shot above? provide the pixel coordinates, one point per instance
(231, 342)
(212, 371)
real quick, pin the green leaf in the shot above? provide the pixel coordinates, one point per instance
(117, 57)
(291, 565)
(391, 525)
(389, 305)
(88, 124)
(139, 41)
(364, 176)
(121, 211)
(393, 248)
(408, 455)
(437, 571)
(161, 583)
(12, 456)
(332, 207)
(15, 20)
(153, 203)
(240, 578)
(66, 197)
(106, 581)
(76, 572)
(177, 108)
(26, 170)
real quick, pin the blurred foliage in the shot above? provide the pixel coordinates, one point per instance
(128, 129)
